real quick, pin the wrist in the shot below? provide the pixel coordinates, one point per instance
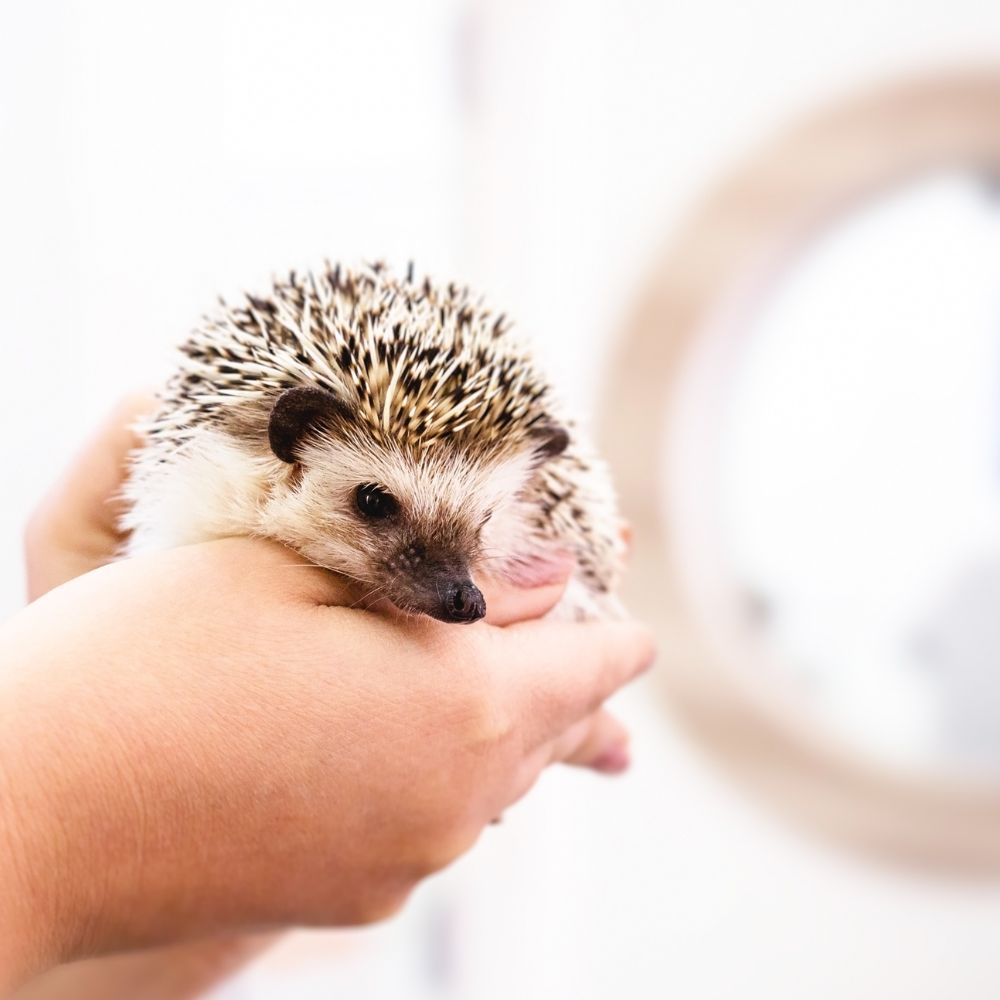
(24, 939)
(45, 915)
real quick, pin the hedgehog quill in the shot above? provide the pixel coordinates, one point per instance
(390, 429)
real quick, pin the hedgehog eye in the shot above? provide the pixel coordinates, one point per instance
(375, 502)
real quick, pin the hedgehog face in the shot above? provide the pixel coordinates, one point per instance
(429, 558)
(413, 526)
(415, 530)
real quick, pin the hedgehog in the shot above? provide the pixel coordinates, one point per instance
(390, 429)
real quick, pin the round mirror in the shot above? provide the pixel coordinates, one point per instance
(817, 513)
(859, 474)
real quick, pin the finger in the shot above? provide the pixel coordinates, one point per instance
(75, 527)
(290, 574)
(93, 482)
(627, 536)
(560, 672)
(532, 595)
(87, 494)
(599, 742)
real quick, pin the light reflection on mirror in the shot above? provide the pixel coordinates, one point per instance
(860, 473)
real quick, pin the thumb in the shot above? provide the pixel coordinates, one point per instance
(75, 527)
(538, 589)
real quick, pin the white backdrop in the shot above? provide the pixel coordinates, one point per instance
(154, 155)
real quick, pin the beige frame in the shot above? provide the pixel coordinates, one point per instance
(730, 248)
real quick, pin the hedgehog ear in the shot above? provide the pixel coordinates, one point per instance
(297, 412)
(549, 440)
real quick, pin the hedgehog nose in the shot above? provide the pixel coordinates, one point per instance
(462, 602)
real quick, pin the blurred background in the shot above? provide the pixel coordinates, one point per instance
(550, 152)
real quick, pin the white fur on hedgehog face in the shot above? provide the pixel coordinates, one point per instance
(456, 514)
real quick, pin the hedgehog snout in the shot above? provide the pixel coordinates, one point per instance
(462, 602)
(434, 583)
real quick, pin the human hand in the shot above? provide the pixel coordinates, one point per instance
(74, 530)
(219, 748)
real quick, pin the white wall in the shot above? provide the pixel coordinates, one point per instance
(155, 154)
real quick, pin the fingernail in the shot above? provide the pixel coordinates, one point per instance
(613, 761)
(544, 572)
(555, 571)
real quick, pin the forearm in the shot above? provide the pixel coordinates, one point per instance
(45, 907)
(22, 933)
(55, 859)
(180, 972)
(194, 742)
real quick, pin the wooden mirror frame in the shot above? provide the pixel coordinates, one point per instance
(671, 364)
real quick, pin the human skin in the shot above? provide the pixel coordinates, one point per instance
(204, 742)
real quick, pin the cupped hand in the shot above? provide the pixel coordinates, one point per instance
(75, 529)
(220, 747)
(202, 740)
